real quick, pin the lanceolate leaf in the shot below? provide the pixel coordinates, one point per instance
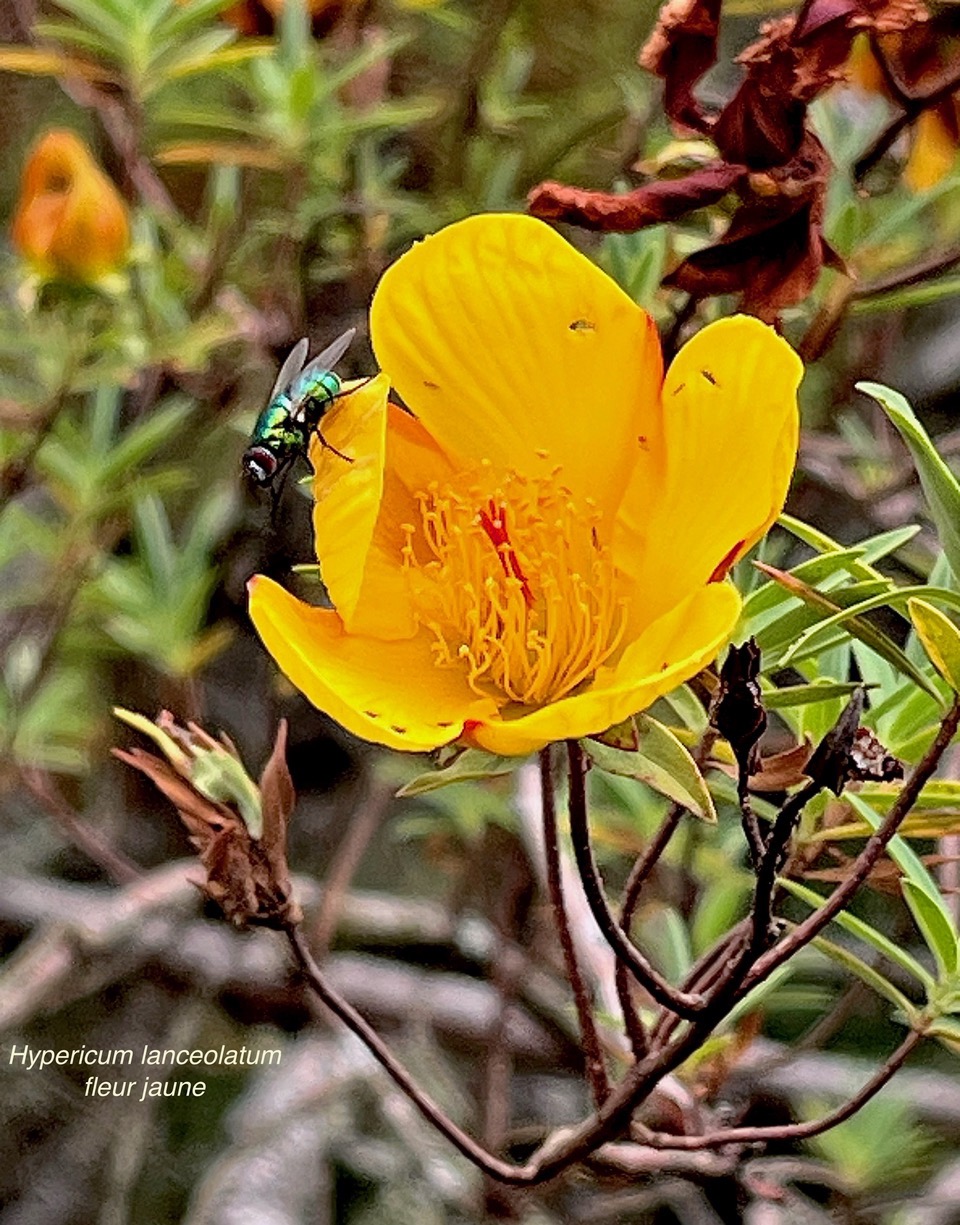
(856, 626)
(661, 762)
(934, 926)
(470, 765)
(865, 932)
(940, 486)
(936, 812)
(873, 978)
(940, 638)
(802, 695)
(887, 599)
(906, 859)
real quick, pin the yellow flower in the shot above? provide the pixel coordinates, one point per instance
(538, 552)
(70, 220)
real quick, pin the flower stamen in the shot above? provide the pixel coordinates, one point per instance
(522, 592)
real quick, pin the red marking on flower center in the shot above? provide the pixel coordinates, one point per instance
(723, 567)
(493, 520)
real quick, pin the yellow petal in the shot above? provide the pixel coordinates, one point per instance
(669, 652)
(506, 342)
(360, 569)
(389, 692)
(361, 503)
(730, 427)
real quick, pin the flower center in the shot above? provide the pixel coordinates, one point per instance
(516, 584)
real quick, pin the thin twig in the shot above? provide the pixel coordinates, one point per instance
(913, 107)
(650, 979)
(121, 130)
(774, 855)
(922, 271)
(865, 862)
(464, 1143)
(116, 865)
(788, 1131)
(712, 966)
(593, 1054)
(639, 873)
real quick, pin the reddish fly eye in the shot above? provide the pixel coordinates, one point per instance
(260, 464)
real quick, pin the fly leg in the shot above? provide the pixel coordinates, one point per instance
(277, 486)
(328, 446)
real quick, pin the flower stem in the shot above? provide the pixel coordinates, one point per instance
(804, 932)
(470, 1148)
(639, 873)
(596, 1070)
(789, 1131)
(684, 1005)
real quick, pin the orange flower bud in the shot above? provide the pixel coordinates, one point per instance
(70, 221)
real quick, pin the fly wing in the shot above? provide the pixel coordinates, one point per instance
(290, 368)
(332, 353)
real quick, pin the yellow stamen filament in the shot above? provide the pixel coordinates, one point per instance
(517, 586)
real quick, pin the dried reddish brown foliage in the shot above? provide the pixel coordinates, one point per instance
(247, 877)
(774, 247)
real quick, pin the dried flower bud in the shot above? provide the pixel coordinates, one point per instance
(237, 828)
(738, 713)
(870, 762)
(70, 221)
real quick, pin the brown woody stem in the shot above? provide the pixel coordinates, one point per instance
(631, 899)
(470, 1148)
(684, 1005)
(593, 1054)
(789, 1131)
(804, 932)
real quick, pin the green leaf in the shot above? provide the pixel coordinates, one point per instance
(940, 638)
(620, 736)
(866, 973)
(936, 812)
(940, 486)
(818, 569)
(871, 550)
(886, 599)
(934, 925)
(809, 534)
(803, 695)
(853, 624)
(688, 708)
(469, 766)
(779, 635)
(661, 762)
(868, 934)
(903, 855)
(193, 61)
(920, 892)
(947, 1030)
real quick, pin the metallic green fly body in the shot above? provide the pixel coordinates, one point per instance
(300, 397)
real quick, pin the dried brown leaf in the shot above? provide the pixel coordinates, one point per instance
(247, 878)
(665, 200)
(682, 47)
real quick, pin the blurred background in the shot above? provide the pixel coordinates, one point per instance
(187, 189)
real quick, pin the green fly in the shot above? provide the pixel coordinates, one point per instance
(300, 397)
